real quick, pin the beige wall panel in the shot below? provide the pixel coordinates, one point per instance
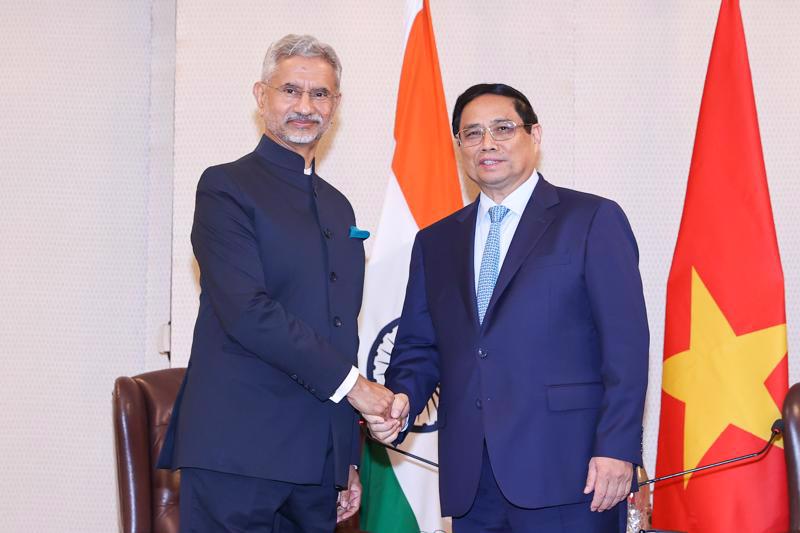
(85, 211)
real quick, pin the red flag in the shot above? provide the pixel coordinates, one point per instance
(725, 365)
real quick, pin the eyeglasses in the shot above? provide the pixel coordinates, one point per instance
(502, 131)
(294, 93)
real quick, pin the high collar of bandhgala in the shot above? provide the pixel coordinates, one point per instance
(281, 156)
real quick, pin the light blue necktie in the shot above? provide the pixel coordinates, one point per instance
(490, 262)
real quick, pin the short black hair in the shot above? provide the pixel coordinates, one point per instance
(521, 103)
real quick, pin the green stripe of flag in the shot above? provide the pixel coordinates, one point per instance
(384, 506)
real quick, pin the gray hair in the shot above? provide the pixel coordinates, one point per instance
(299, 45)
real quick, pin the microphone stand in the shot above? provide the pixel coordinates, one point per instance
(777, 429)
(403, 452)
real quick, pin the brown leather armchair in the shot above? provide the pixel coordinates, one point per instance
(791, 447)
(148, 497)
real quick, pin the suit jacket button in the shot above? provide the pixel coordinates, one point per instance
(337, 322)
(294, 377)
(483, 354)
(478, 403)
(333, 276)
(328, 233)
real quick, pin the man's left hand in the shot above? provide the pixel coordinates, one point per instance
(610, 479)
(349, 499)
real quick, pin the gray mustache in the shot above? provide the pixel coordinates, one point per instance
(299, 116)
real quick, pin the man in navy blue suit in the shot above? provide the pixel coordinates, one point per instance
(527, 307)
(261, 430)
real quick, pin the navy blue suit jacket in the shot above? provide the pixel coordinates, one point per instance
(276, 332)
(556, 373)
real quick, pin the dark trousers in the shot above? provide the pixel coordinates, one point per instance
(493, 513)
(216, 502)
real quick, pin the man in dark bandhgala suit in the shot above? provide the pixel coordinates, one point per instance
(264, 428)
(527, 307)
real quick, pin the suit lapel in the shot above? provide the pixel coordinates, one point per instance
(464, 252)
(532, 225)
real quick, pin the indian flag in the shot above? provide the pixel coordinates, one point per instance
(401, 495)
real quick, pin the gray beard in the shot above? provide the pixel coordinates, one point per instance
(282, 132)
(300, 138)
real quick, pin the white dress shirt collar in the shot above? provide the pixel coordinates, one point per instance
(515, 202)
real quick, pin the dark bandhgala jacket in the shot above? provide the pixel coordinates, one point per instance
(557, 372)
(276, 334)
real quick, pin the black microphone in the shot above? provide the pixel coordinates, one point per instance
(777, 429)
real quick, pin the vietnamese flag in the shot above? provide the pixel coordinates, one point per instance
(725, 368)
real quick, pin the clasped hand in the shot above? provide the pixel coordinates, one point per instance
(370, 398)
(387, 426)
(384, 411)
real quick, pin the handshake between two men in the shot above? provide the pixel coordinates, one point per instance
(386, 413)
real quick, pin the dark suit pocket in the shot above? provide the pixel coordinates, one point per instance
(549, 260)
(574, 396)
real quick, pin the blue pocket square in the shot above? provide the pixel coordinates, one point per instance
(356, 233)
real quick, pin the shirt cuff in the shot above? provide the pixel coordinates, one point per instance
(346, 386)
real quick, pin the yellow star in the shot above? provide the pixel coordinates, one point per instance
(720, 378)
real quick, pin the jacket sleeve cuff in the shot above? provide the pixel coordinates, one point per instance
(346, 386)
